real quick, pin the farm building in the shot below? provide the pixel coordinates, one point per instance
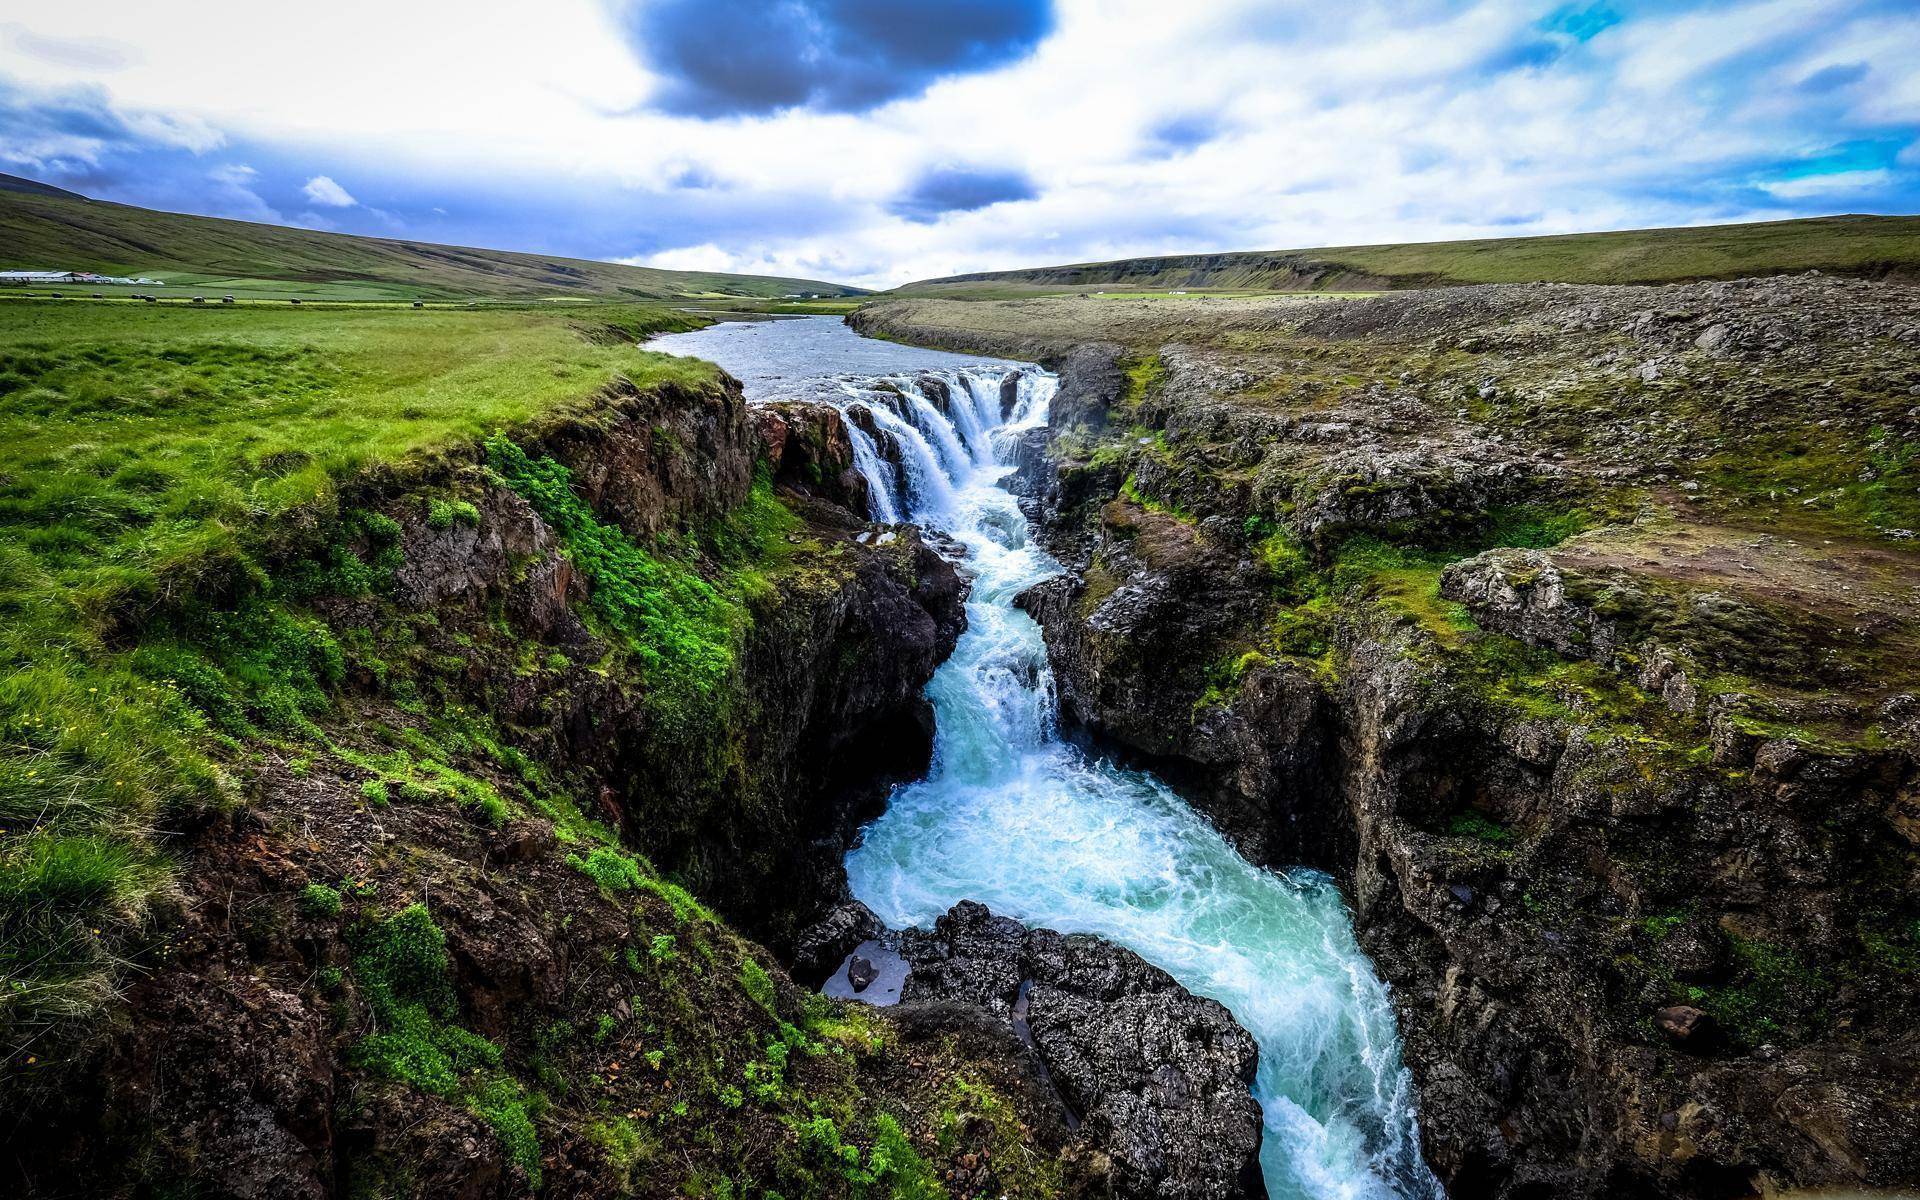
(31, 278)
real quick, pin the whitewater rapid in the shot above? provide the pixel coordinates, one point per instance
(1038, 829)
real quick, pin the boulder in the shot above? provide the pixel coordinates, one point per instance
(821, 947)
(1683, 1022)
(1160, 1078)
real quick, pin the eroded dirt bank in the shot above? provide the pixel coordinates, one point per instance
(1573, 628)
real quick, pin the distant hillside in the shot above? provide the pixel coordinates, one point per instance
(15, 183)
(1849, 245)
(47, 227)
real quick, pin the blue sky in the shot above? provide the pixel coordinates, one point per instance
(842, 139)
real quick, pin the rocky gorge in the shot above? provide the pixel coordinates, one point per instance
(491, 917)
(1571, 628)
(1570, 631)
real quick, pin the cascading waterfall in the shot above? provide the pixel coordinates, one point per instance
(1037, 829)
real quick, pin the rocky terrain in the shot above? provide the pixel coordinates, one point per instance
(1574, 630)
(1158, 1077)
(481, 920)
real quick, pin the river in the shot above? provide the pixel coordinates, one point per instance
(1037, 828)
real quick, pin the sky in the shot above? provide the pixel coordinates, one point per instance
(874, 142)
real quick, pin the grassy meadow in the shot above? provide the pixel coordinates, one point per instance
(144, 453)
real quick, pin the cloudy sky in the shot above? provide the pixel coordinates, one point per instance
(877, 141)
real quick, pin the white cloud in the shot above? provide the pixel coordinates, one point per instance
(1833, 183)
(232, 194)
(86, 53)
(707, 257)
(1388, 121)
(322, 190)
(185, 131)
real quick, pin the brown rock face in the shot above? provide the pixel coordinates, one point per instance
(832, 666)
(808, 451)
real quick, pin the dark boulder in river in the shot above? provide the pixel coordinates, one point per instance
(1158, 1077)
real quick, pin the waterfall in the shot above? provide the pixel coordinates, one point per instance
(877, 472)
(1013, 816)
(928, 452)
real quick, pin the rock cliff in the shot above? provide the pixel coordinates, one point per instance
(1572, 628)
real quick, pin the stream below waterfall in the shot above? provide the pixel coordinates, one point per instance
(1041, 830)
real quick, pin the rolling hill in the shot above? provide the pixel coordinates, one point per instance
(47, 227)
(1850, 245)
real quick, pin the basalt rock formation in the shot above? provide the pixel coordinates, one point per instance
(1158, 1079)
(1573, 629)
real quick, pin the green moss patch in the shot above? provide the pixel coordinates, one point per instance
(400, 963)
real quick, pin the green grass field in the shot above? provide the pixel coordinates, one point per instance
(152, 455)
(1854, 245)
(151, 432)
(217, 257)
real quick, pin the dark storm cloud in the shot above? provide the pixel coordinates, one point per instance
(942, 190)
(722, 58)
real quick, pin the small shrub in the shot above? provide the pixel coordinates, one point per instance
(380, 529)
(614, 870)
(1478, 827)
(757, 983)
(897, 1167)
(626, 1145)
(504, 1105)
(319, 900)
(76, 872)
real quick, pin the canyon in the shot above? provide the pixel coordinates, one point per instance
(1552, 646)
